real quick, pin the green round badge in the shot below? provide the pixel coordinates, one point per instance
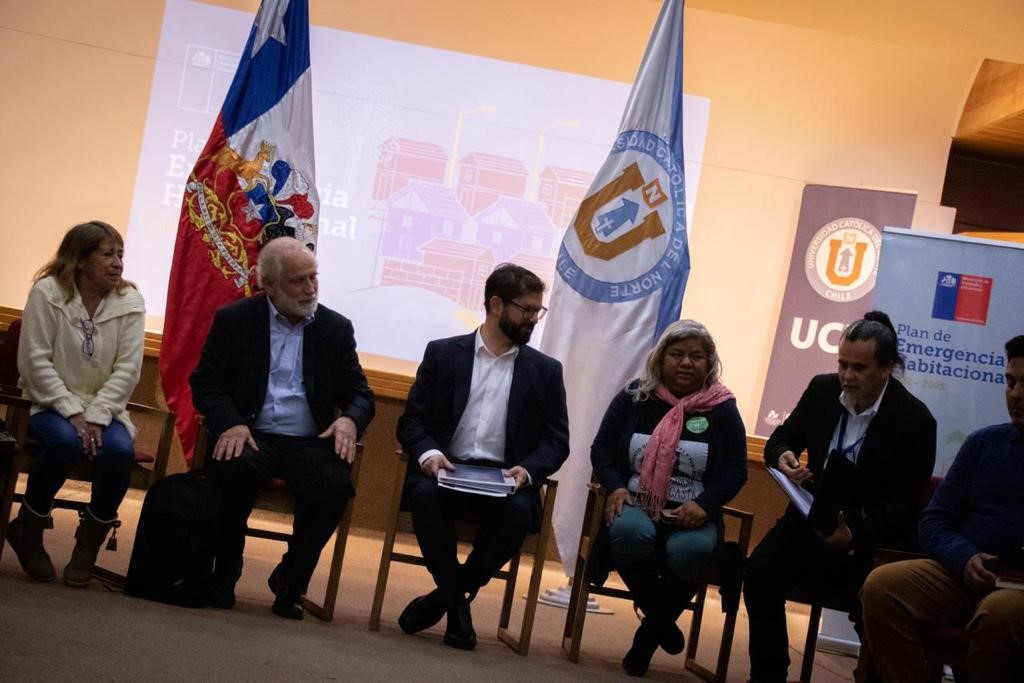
(697, 425)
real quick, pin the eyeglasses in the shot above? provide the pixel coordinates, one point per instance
(88, 330)
(537, 313)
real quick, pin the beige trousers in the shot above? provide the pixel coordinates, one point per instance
(903, 600)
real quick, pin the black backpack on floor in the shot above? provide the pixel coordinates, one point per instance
(175, 545)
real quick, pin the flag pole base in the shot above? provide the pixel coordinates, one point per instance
(559, 597)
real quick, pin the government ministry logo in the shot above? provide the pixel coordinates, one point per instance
(842, 259)
(629, 235)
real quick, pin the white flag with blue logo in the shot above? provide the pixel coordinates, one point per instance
(623, 263)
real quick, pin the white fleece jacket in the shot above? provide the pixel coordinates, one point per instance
(55, 372)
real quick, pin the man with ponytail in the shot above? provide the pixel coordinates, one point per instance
(865, 416)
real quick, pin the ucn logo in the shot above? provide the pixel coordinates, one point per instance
(842, 259)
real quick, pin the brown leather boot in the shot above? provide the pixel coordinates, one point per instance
(25, 534)
(91, 533)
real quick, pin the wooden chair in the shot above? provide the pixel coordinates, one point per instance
(400, 521)
(275, 497)
(16, 411)
(946, 645)
(816, 602)
(150, 460)
(728, 578)
(151, 454)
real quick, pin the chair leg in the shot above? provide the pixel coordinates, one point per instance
(17, 423)
(8, 479)
(579, 595)
(522, 644)
(509, 594)
(508, 597)
(382, 574)
(721, 670)
(811, 644)
(388, 550)
(325, 611)
(690, 663)
(530, 609)
(725, 649)
(575, 618)
(108, 577)
(698, 618)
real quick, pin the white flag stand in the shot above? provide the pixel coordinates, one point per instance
(559, 597)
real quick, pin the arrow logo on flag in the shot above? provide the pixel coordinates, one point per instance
(649, 228)
(609, 222)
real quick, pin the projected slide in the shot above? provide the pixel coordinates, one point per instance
(432, 167)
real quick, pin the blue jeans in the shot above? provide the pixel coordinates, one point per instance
(62, 449)
(635, 537)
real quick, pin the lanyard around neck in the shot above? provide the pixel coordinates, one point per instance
(848, 451)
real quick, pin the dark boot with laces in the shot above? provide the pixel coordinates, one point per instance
(90, 535)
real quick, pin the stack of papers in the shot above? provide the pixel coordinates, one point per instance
(801, 498)
(486, 481)
(836, 492)
(1009, 578)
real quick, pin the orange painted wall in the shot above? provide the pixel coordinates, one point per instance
(794, 100)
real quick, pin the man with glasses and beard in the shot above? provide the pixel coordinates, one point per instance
(484, 398)
(283, 393)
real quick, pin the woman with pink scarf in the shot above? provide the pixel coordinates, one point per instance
(671, 451)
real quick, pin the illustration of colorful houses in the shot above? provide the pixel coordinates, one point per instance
(483, 178)
(418, 213)
(452, 269)
(560, 192)
(541, 266)
(448, 240)
(510, 226)
(401, 161)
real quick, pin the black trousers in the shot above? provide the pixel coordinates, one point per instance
(504, 523)
(791, 555)
(318, 479)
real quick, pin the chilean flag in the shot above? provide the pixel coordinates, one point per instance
(253, 181)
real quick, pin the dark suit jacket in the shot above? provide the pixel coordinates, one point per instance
(895, 462)
(230, 382)
(537, 426)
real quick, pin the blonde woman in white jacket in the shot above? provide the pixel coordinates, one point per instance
(79, 357)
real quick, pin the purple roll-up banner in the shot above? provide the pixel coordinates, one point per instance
(830, 284)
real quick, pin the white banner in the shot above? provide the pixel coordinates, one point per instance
(955, 302)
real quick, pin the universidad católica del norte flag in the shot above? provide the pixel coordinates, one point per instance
(623, 263)
(253, 181)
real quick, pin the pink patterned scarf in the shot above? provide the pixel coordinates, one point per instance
(660, 452)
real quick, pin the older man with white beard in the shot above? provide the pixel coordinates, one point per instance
(283, 393)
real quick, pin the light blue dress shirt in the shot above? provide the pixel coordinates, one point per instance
(285, 408)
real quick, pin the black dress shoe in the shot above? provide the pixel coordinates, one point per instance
(221, 597)
(276, 580)
(423, 612)
(672, 640)
(287, 607)
(286, 604)
(460, 633)
(645, 642)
